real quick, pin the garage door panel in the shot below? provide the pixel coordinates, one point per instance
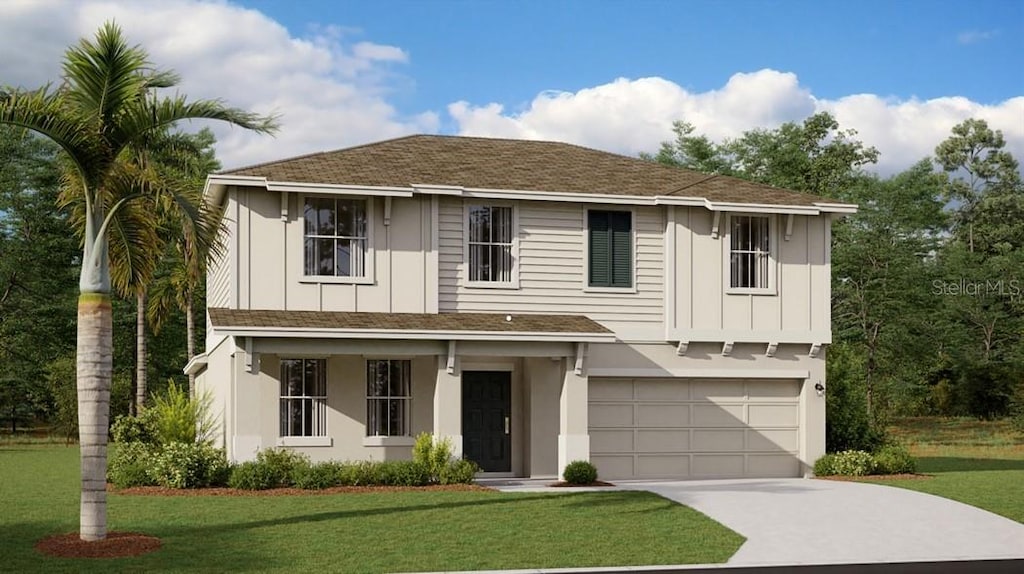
(655, 415)
(718, 416)
(611, 415)
(717, 465)
(611, 389)
(773, 439)
(662, 389)
(773, 389)
(695, 428)
(718, 440)
(613, 466)
(774, 415)
(773, 465)
(661, 466)
(609, 441)
(662, 440)
(715, 391)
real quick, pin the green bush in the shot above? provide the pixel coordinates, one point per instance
(435, 455)
(401, 473)
(847, 424)
(178, 418)
(461, 471)
(317, 476)
(846, 463)
(129, 465)
(251, 475)
(580, 472)
(894, 459)
(189, 465)
(273, 468)
(127, 428)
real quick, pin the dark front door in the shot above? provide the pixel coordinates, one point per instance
(487, 419)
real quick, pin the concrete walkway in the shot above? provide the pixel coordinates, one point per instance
(807, 521)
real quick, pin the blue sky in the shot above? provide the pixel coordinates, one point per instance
(607, 74)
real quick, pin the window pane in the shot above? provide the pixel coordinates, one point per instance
(325, 256)
(479, 223)
(376, 417)
(311, 265)
(396, 417)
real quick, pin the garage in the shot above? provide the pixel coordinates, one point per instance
(694, 428)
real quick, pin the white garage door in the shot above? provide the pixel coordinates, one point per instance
(694, 428)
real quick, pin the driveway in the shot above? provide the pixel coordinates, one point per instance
(806, 521)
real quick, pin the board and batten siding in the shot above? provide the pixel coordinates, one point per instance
(552, 269)
(798, 310)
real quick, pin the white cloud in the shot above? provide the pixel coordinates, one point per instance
(974, 36)
(630, 116)
(329, 89)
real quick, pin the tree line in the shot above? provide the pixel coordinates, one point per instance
(927, 277)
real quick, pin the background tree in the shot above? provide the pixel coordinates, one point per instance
(99, 116)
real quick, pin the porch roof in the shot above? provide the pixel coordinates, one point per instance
(442, 326)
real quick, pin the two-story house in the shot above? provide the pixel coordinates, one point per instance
(535, 302)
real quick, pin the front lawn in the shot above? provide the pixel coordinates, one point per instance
(375, 532)
(980, 463)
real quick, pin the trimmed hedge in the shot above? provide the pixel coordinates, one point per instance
(272, 469)
(580, 472)
(890, 459)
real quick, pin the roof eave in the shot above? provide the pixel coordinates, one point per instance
(413, 334)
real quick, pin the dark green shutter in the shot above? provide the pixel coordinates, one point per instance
(600, 249)
(611, 249)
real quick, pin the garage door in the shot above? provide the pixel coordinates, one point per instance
(694, 428)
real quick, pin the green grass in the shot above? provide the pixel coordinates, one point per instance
(375, 532)
(980, 463)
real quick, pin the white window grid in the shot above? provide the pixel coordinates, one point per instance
(305, 413)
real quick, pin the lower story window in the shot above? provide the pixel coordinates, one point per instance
(388, 397)
(303, 397)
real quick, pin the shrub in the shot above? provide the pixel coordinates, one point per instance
(847, 424)
(580, 472)
(461, 471)
(189, 465)
(435, 455)
(176, 417)
(251, 475)
(127, 428)
(894, 459)
(400, 473)
(846, 463)
(317, 476)
(273, 468)
(129, 465)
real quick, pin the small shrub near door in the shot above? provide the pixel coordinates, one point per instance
(460, 471)
(580, 472)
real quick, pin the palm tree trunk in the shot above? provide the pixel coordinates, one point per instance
(95, 355)
(140, 352)
(190, 329)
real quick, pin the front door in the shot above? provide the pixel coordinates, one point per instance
(487, 419)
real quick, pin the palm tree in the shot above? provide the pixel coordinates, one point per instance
(104, 111)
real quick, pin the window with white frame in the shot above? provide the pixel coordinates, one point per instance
(490, 244)
(388, 397)
(335, 237)
(303, 397)
(749, 252)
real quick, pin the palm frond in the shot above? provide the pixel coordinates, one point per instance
(155, 114)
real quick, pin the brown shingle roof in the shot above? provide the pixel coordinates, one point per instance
(443, 322)
(525, 165)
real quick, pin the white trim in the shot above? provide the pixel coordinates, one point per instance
(468, 364)
(695, 373)
(773, 258)
(587, 288)
(195, 364)
(668, 268)
(378, 441)
(369, 257)
(305, 441)
(742, 336)
(467, 282)
(309, 332)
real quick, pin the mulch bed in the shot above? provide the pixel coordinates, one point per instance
(879, 477)
(115, 545)
(161, 491)
(562, 483)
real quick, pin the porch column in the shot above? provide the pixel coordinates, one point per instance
(573, 437)
(448, 405)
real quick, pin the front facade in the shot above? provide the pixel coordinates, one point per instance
(534, 302)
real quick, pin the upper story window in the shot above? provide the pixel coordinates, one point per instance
(490, 245)
(610, 248)
(388, 397)
(303, 405)
(750, 253)
(335, 237)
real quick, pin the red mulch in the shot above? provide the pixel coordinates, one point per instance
(161, 491)
(879, 477)
(115, 545)
(562, 483)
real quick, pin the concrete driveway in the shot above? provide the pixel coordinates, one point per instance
(807, 521)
